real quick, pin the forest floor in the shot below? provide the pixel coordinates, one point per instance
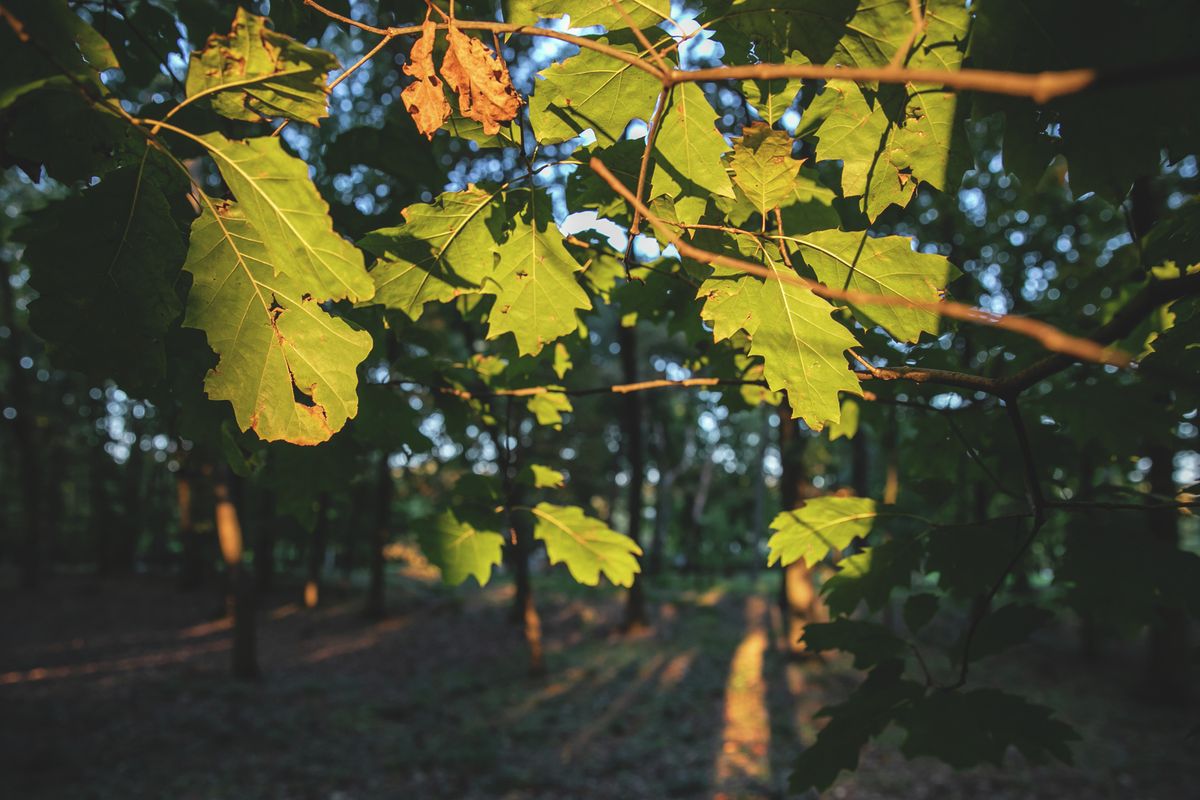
(119, 689)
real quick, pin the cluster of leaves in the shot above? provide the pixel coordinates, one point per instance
(200, 217)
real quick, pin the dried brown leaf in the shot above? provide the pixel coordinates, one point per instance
(485, 91)
(423, 98)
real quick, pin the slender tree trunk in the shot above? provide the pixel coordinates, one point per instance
(242, 605)
(860, 464)
(100, 507)
(524, 608)
(798, 603)
(264, 544)
(376, 606)
(25, 435)
(191, 566)
(316, 553)
(635, 456)
(1167, 642)
(699, 502)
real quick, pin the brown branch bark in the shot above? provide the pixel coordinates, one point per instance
(1047, 335)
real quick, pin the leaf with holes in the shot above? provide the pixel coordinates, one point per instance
(287, 365)
(254, 73)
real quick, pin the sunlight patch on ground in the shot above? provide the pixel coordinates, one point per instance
(746, 739)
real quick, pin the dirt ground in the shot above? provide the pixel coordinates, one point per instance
(119, 689)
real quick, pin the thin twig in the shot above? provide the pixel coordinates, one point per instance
(641, 37)
(1041, 87)
(664, 97)
(384, 42)
(1049, 336)
(918, 27)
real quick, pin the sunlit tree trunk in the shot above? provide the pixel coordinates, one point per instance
(25, 436)
(316, 553)
(635, 456)
(241, 606)
(524, 609)
(798, 602)
(376, 605)
(1167, 642)
(191, 566)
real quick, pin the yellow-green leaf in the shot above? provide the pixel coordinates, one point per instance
(254, 73)
(287, 365)
(586, 545)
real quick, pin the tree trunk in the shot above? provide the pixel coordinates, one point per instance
(229, 534)
(25, 434)
(1167, 642)
(376, 606)
(316, 553)
(264, 544)
(635, 456)
(798, 602)
(524, 609)
(191, 566)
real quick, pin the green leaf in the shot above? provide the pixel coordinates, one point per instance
(852, 129)
(61, 50)
(918, 610)
(586, 13)
(591, 90)
(287, 365)
(819, 527)
(562, 357)
(688, 148)
(537, 293)
(548, 408)
(277, 197)
(869, 642)
(542, 477)
(810, 207)
(472, 130)
(968, 728)
(891, 137)
(792, 330)
(772, 97)
(763, 166)
(444, 249)
(847, 427)
(971, 558)
(104, 265)
(865, 714)
(1007, 627)
(586, 545)
(254, 74)
(459, 550)
(871, 576)
(883, 265)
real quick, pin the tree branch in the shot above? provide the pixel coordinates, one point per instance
(1047, 335)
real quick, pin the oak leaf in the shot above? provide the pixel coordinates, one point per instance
(485, 90)
(423, 98)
